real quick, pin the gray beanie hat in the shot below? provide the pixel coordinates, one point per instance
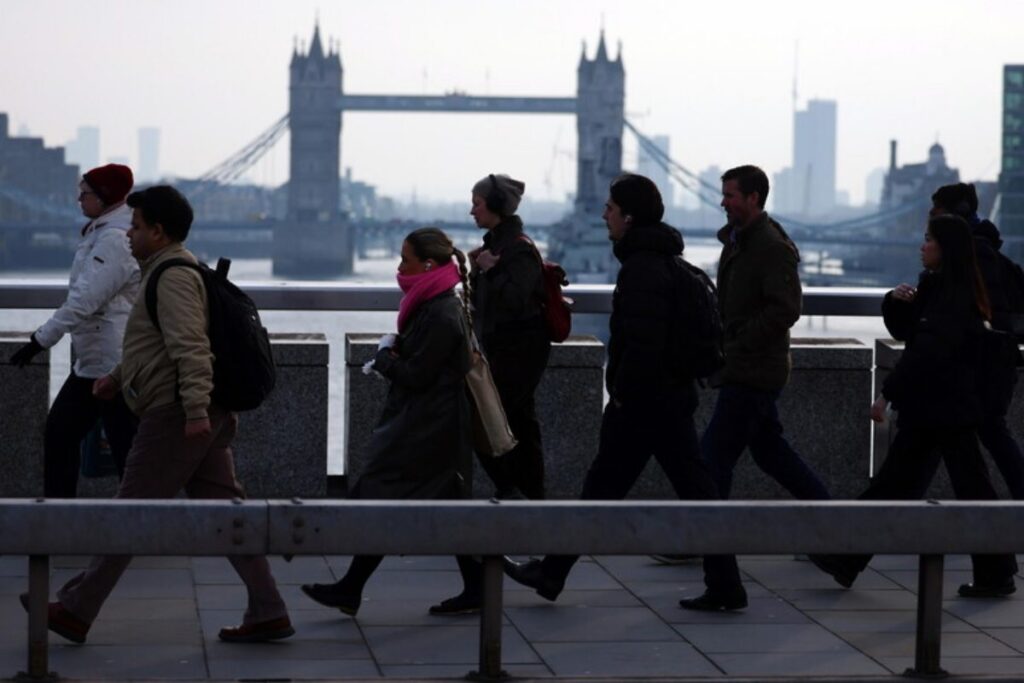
(501, 193)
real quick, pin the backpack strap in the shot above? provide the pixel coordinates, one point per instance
(154, 279)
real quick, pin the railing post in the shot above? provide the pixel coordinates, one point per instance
(928, 647)
(490, 622)
(38, 601)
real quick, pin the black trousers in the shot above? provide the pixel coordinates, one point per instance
(518, 359)
(913, 460)
(661, 427)
(74, 412)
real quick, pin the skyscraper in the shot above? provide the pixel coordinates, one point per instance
(647, 165)
(1011, 179)
(814, 157)
(84, 150)
(148, 169)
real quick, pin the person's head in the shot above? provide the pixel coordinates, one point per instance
(161, 216)
(426, 249)
(948, 249)
(744, 192)
(632, 200)
(103, 188)
(958, 199)
(495, 197)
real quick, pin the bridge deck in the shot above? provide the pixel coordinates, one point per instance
(617, 619)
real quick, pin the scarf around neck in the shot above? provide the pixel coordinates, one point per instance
(423, 287)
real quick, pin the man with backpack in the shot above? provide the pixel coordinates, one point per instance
(184, 439)
(760, 298)
(652, 394)
(1004, 282)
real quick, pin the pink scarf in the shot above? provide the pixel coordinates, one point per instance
(423, 287)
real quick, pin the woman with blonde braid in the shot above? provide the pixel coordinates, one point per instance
(422, 446)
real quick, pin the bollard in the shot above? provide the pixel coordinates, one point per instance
(927, 650)
(38, 634)
(490, 622)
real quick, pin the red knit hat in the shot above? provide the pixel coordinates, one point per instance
(111, 183)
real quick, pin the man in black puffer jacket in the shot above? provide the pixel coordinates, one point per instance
(1003, 282)
(650, 408)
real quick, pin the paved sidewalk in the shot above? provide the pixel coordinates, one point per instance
(618, 618)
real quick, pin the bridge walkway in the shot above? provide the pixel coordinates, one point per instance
(617, 619)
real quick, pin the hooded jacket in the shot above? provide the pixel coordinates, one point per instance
(102, 287)
(760, 297)
(640, 362)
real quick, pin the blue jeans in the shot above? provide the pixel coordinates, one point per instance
(747, 418)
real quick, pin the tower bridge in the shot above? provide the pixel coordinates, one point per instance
(319, 243)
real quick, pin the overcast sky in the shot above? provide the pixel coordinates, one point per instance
(715, 76)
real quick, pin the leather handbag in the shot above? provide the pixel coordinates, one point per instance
(491, 434)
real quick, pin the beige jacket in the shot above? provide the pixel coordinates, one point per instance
(161, 367)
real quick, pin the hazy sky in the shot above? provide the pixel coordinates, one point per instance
(714, 76)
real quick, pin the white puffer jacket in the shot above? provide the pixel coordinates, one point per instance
(103, 286)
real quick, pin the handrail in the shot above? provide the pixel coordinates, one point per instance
(41, 528)
(343, 296)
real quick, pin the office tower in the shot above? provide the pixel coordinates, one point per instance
(1011, 179)
(148, 169)
(813, 181)
(648, 165)
(84, 150)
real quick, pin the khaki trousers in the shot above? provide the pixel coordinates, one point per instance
(160, 464)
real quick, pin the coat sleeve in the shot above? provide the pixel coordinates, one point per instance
(937, 342)
(108, 268)
(900, 317)
(418, 366)
(644, 310)
(781, 299)
(182, 311)
(515, 280)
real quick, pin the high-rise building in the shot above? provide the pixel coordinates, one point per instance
(84, 150)
(148, 168)
(1011, 178)
(36, 186)
(873, 185)
(647, 165)
(808, 187)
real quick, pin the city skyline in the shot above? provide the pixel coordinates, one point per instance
(718, 81)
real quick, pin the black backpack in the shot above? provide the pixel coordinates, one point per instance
(697, 322)
(243, 365)
(1013, 279)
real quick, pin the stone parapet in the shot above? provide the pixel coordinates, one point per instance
(24, 402)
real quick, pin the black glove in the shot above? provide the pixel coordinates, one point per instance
(26, 353)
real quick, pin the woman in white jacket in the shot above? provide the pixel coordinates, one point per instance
(103, 286)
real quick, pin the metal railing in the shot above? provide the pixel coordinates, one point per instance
(333, 296)
(42, 528)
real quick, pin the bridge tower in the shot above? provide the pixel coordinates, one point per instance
(315, 240)
(600, 111)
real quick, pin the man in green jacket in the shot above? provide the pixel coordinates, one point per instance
(759, 294)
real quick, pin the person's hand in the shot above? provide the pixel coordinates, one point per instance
(197, 428)
(26, 353)
(486, 260)
(105, 388)
(904, 292)
(878, 409)
(387, 341)
(471, 257)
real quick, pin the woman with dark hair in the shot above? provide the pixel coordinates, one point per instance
(935, 390)
(508, 297)
(422, 446)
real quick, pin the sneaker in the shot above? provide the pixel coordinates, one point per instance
(677, 559)
(985, 590)
(462, 603)
(61, 621)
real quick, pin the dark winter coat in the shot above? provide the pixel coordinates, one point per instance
(508, 296)
(760, 297)
(641, 365)
(422, 445)
(934, 384)
(1001, 275)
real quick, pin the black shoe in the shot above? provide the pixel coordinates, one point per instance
(834, 567)
(463, 603)
(987, 590)
(331, 595)
(531, 574)
(716, 602)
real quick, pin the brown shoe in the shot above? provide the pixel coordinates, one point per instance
(60, 621)
(259, 632)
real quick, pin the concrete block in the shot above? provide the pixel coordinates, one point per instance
(824, 414)
(24, 402)
(569, 403)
